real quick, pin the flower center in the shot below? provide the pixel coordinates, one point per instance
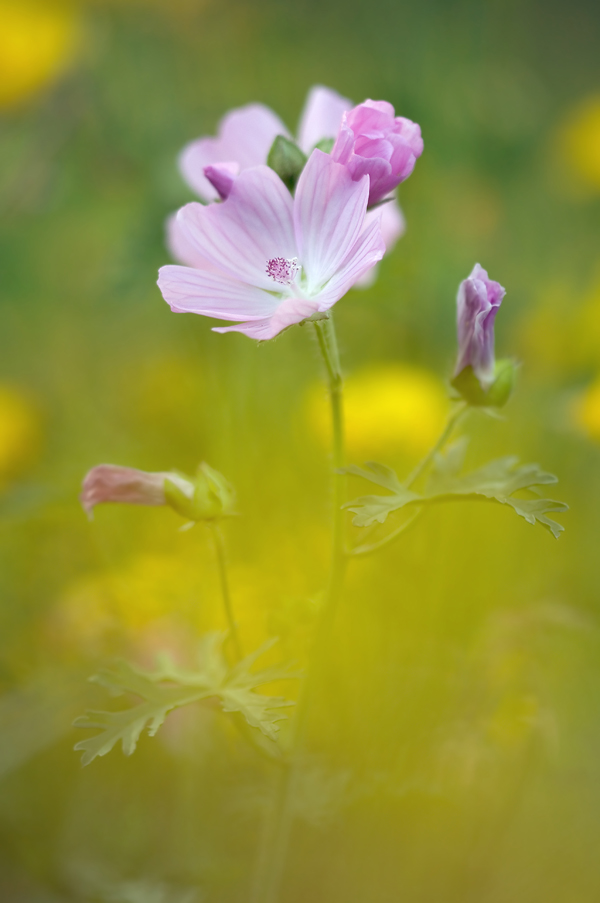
(282, 270)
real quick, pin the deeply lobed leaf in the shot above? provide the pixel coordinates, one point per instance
(169, 687)
(497, 481)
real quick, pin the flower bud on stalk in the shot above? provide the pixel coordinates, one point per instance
(478, 377)
(372, 141)
(206, 496)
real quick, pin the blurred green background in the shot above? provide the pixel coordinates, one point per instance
(455, 746)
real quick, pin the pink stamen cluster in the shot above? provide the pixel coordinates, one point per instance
(282, 270)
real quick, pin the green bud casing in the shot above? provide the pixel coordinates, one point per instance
(207, 496)
(493, 396)
(287, 160)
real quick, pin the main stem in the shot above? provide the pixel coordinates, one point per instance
(276, 840)
(222, 568)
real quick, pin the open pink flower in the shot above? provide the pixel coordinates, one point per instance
(273, 260)
(245, 136)
(373, 141)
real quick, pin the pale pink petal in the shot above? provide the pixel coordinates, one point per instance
(213, 294)
(291, 311)
(393, 224)
(250, 132)
(245, 137)
(329, 213)
(221, 176)
(393, 227)
(260, 330)
(288, 313)
(368, 249)
(193, 160)
(253, 226)
(321, 116)
(182, 248)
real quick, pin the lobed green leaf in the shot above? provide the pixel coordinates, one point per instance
(169, 687)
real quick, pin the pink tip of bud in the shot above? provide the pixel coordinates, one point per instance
(222, 176)
(111, 483)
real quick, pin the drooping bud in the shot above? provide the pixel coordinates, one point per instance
(373, 141)
(204, 497)
(211, 495)
(126, 485)
(287, 160)
(478, 377)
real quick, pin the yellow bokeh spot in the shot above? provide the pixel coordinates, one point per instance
(388, 408)
(38, 39)
(20, 433)
(580, 140)
(586, 411)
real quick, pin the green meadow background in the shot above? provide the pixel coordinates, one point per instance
(454, 751)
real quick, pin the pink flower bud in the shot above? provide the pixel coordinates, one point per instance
(221, 176)
(111, 483)
(374, 142)
(477, 303)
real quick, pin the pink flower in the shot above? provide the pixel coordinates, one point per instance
(111, 483)
(245, 137)
(373, 142)
(273, 260)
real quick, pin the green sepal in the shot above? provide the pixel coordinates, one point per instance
(210, 495)
(325, 145)
(287, 160)
(495, 395)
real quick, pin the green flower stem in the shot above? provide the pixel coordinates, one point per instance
(222, 568)
(456, 415)
(278, 828)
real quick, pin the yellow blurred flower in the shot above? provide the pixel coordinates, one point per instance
(20, 433)
(38, 39)
(580, 142)
(586, 410)
(388, 408)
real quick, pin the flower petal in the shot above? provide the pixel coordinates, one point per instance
(288, 313)
(254, 225)
(214, 295)
(393, 227)
(182, 248)
(369, 248)
(329, 214)
(250, 132)
(259, 329)
(321, 116)
(244, 137)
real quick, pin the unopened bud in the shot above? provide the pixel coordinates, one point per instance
(287, 160)
(207, 496)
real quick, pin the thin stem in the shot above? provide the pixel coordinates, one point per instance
(326, 337)
(422, 466)
(273, 855)
(222, 568)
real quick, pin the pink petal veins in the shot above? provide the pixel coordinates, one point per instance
(329, 212)
(213, 294)
(247, 230)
